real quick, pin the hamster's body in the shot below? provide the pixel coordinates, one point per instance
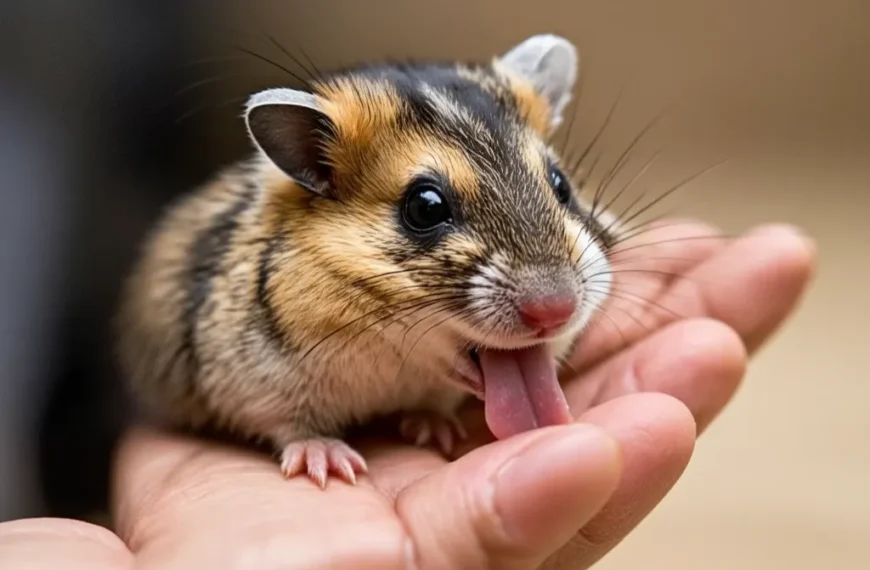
(392, 219)
(210, 285)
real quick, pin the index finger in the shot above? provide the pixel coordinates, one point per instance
(751, 284)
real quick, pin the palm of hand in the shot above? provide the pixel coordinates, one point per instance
(556, 498)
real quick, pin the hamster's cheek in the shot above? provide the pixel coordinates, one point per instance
(578, 239)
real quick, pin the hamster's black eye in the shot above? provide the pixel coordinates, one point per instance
(561, 186)
(425, 206)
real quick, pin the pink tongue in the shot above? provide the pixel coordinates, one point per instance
(522, 391)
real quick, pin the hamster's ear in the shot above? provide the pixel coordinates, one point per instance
(551, 64)
(288, 127)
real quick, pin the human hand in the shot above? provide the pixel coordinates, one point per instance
(557, 498)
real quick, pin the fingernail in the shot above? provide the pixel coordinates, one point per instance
(562, 479)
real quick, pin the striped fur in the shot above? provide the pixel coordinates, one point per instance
(278, 313)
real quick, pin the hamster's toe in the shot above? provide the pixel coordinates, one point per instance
(423, 427)
(319, 457)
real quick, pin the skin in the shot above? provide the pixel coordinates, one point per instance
(184, 503)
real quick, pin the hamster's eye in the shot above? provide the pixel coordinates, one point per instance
(425, 206)
(561, 186)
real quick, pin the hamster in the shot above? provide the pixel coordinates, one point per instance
(403, 237)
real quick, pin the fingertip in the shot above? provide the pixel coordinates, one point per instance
(789, 261)
(796, 248)
(657, 424)
(787, 232)
(700, 362)
(703, 372)
(544, 494)
(656, 433)
(512, 503)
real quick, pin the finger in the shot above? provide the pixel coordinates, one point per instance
(184, 504)
(511, 504)
(752, 284)
(46, 544)
(670, 248)
(701, 362)
(642, 268)
(656, 435)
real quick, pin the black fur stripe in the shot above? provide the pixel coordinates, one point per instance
(268, 317)
(207, 255)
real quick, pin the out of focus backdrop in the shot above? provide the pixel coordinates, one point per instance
(109, 109)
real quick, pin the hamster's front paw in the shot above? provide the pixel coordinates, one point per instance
(320, 456)
(423, 426)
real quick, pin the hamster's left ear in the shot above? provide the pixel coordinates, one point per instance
(551, 64)
(288, 126)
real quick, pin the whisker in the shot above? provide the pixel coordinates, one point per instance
(623, 295)
(451, 304)
(432, 271)
(614, 252)
(272, 63)
(588, 175)
(413, 326)
(634, 179)
(395, 317)
(293, 58)
(620, 261)
(667, 274)
(604, 311)
(201, 83)
(570, 126)
(319, 74)
(203, 107)
(601, 129)
(654, 220)
(580, 231)
(454, 314)
(358, 319)
(614, 171)
(468, 345)
(392, 291)
(676, 187)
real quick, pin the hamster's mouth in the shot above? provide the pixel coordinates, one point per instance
(520, 389)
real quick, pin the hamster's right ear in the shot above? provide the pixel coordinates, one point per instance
(288, 127)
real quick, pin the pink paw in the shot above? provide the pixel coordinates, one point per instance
(423, 427)
(320, 456)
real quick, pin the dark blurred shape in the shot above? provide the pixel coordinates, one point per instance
(90, 150)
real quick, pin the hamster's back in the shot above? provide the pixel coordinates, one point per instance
(180, 280)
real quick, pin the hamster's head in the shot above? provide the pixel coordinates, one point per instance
(429, 193)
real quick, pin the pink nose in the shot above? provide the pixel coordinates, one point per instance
(547, 312)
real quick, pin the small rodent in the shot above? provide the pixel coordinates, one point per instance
(402, 238)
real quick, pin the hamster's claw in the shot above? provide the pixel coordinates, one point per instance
(424, 427)
(320, 456)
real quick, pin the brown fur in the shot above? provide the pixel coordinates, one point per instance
(259, 307)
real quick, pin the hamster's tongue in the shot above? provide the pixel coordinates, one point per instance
(521, 391)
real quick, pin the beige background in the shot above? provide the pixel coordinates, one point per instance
(783, 86)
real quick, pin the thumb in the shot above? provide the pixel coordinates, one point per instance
(511, 504)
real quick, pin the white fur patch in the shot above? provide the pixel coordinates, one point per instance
(595, 270)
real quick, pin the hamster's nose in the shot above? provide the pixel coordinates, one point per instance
(547, 312)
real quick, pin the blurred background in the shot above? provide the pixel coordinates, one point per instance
(109, 109)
